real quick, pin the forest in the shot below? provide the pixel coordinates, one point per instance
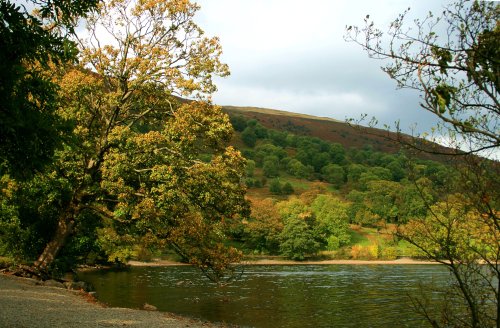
(309, 196)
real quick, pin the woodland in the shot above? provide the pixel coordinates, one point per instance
(112, 152)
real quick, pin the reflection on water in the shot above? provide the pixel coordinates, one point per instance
(277, 296)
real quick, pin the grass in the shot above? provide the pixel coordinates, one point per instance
(277, 113)
(369, 243)
(359, 238)
(297, 184)
(6, 262)
(405, 249)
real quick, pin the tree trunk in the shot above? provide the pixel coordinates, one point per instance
(63, 231)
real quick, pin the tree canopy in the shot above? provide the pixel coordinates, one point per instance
(29, 42)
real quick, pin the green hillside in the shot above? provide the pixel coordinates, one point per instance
(319, 187)
(332, 130)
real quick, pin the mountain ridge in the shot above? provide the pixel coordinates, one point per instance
(329, 129)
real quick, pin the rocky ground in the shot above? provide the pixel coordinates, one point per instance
(29, 303)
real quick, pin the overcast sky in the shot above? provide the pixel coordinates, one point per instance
(291, 55)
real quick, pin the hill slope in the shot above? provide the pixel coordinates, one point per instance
(329, 129)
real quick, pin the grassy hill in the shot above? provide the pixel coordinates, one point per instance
(330, 130)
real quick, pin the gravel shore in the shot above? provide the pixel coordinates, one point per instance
(25, 304)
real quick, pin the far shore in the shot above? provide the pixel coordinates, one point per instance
(264, 261)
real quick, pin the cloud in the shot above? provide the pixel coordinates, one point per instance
(285, 99)
(291, 55)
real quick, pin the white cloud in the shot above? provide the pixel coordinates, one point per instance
(338, 105)
(291, 55)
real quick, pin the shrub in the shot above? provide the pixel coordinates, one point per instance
(359, 252)
(287, 189)
(333, 243)
(389, 253)
(6, 262)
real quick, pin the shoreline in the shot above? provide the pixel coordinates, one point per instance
(27, 302)
(265, 261)
(24, 302)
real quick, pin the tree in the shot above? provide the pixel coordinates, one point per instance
(133, 158)
(248, 136)
(264, 227)
(354, 172)
(279, 138)
(29, 43)
(297, 238)
(260, 131)
(239, 122)
(332, 221)
(319, 160)
(397, 170)
(270, 166)
(334, 174)
(414, 199)
(265, 150)
(299, 170)
(455, 230)
(250, 168)
(337, 153)
(452, 61)
(382, 196)
(359, 211)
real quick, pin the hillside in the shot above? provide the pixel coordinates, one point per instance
(320, 186)
(330, 130)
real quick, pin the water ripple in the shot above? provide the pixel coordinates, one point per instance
(277, 296)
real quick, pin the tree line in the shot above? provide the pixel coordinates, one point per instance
(377, 186)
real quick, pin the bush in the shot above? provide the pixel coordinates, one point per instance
(359, 252)
(275, 187)
(333, 243)
(6, 262)
(287, 189)
(143, 254)
(389, 253)
(343, 253)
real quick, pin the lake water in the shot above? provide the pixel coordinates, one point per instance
(277, 296)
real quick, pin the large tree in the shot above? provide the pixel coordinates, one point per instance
(155, 168)
(452, 59)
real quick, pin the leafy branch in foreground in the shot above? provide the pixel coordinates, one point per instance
(29, 127)
(452, 60)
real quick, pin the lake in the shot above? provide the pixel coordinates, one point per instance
(277, 296)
